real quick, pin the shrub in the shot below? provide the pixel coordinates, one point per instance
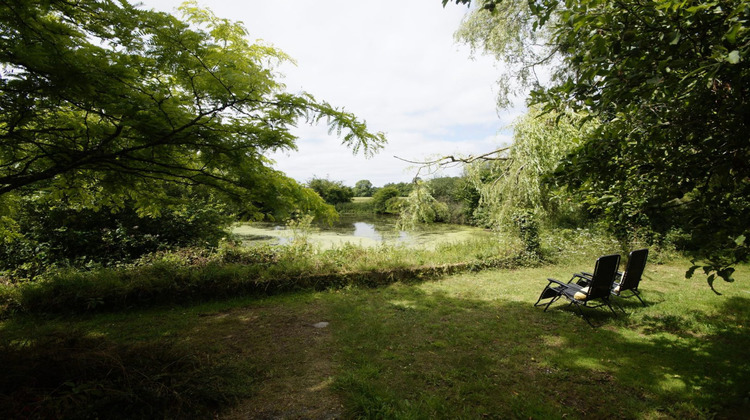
(381, 198)
(64, 236)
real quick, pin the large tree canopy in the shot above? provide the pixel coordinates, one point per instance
(669, 83)
(101, 102)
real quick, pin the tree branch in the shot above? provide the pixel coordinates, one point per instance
(448, 160)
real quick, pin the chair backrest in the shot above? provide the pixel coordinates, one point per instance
(634, 270)
(604, 276)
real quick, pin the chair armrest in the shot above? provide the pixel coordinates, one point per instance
(557, 282)
(585, 278)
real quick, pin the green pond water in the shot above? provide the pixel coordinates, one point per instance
(363, 231)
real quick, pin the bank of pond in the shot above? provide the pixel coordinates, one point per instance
(361, 230)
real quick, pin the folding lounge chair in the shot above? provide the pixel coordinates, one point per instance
(630, 279)
(599, 287)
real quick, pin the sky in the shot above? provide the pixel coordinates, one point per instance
(394, 64)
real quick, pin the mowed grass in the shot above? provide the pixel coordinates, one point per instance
(464, 346)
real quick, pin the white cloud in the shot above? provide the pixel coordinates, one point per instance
(393, 63)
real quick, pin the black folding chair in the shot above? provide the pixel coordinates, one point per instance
(598, 288)
(630, 279)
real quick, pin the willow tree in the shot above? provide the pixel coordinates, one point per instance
(510, 32)
(101, 103)
(517, 184)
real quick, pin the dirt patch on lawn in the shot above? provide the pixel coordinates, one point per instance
(293, 355)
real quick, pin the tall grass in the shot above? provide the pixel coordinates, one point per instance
(358, 206)
(196, 274)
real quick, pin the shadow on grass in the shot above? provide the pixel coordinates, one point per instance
(406, 353)
(232, 358)
(73, 375)
(403, 351)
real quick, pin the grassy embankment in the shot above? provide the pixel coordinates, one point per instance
(358, 206)
(192, 275)
(467, 345)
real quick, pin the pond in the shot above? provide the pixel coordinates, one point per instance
(363, 231)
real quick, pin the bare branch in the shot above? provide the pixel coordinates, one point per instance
(448, 160)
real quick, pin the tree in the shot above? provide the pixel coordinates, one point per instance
(668, 83)
(101, 103)
(403, 188)
(509, 30)
(363, 188)
(516, 185)
(460, 196)
(333, 192)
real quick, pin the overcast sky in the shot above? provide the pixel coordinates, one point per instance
(393, 63)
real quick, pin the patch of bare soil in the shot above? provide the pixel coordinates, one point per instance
(294, 355)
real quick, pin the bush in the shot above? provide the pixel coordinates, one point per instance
(63, 236)
(528, 230)
(403, 188)
(384, 200)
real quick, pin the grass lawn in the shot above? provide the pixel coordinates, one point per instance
(464, 346)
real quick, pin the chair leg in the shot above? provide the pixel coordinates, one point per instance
(583, 314)
(541, 296)
(550, 302)
(638, 295)
(611, 308)
(619, 306)
(548, 293)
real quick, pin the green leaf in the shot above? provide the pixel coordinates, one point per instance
(731, 35)
(740, 240)
(733, 57)
(675, 38)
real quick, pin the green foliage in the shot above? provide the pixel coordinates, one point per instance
(66, 236)
(422, 207)
(102, 103)
(460, 196)
(360, 205)
(671, 90)
(529, 232)
(300, 227)
(333, 192)
(385, 200)
(508, 30)
(190, 274)
(444, 188)
(404, 188)
(667, 83)
(517, 184)
(363, 188)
